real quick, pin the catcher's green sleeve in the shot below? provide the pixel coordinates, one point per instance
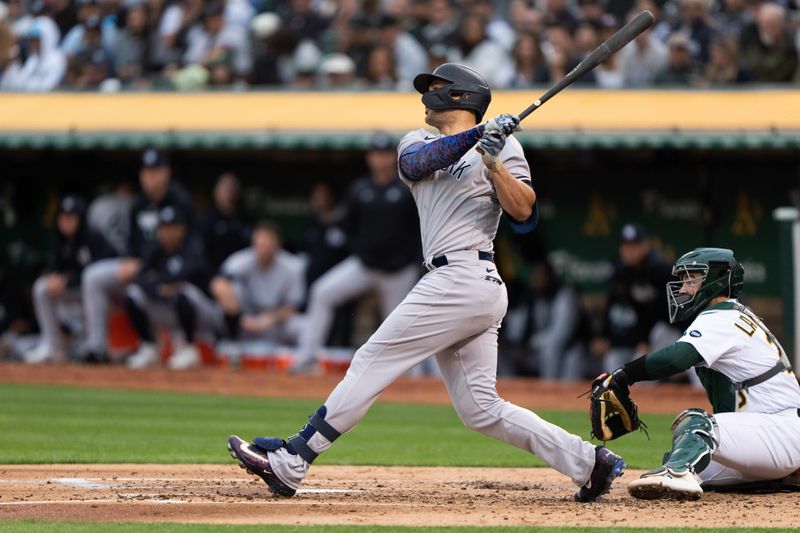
(663, 363)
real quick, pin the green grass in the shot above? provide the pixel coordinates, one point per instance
(35, 526)
(41, 424)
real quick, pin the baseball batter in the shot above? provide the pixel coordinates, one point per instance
(754, 433)
(455, 310)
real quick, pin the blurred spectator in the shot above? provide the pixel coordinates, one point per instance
(212, 39)
(767, 48)
(337, 71)
(591, 12)
(587, 38)
(642, 59)
(474, 49)
(560, 13)
(551, 327)
(223, 229)
(497, 28)
(300, 16)
(105, 281)
(698, 25)
(338, 35)
(410, 57)
(441, 24)
(109, 215)
(281, 55)
(380, 70)
(664, 18)
(525, 18)
(635, 318)
(681, 68)
(42, 20)
(529, 64)
(56, 294)
(382, 227)
(239, 13)
(19, 19)
(733, 16)
(91, 33)
(620, 9)
(132, 47)
(260, 290)
(167, 286)
(723, 66)
(37, 66)
(64, 14)
(325, 246)
(174, 26)
(561, 54)
(89, 70)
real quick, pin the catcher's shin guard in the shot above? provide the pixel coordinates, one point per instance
(694, 441)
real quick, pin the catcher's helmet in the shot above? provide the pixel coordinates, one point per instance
(472, 88)
(722, 275)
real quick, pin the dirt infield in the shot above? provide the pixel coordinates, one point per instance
(358, 495)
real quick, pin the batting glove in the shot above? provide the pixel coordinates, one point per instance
(490, 145)
(505, 124)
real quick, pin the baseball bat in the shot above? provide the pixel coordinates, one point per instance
(622, 37)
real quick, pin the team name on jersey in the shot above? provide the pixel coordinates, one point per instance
(457, 169)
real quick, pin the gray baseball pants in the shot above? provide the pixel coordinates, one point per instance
(99, 287)
(162, 312)
(454, 312)
(49, 311)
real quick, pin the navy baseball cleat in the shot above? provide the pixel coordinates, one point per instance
(607, 468)
(254, 460)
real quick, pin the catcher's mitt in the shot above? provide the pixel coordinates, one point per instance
(612, 411)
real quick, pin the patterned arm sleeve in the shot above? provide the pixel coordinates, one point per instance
(421, 160)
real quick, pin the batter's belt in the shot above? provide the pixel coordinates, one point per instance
(462, 255)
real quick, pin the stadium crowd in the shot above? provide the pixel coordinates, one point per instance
(180, 280)
(112, 45)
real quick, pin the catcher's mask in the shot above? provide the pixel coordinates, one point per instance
(466, 89)
(720, 274)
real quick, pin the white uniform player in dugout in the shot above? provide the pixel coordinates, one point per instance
(752, 441)
(456, 309)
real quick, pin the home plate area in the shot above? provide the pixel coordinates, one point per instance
(376, 495)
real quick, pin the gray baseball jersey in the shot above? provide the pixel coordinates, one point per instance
(458, 207)
(265, 289)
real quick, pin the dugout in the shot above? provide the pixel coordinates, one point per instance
(697, 168)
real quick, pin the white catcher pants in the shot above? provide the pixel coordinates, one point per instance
(454, 312)
(754, 447)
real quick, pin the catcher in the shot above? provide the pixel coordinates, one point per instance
(752, 441)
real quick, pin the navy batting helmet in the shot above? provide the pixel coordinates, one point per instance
(471, 88)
